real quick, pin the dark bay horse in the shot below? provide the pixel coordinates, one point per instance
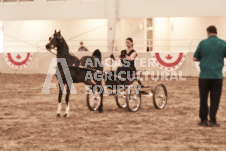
(77, 74)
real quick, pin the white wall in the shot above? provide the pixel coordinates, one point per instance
(169, 33)
(93, 9)
(43, 10)
(161, 34)
(41, 17)
(130, 28)
(184, 33)
(26, 35)
(193, 29)
(32, 35)
(171, 8)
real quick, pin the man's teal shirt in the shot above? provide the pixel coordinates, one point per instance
(211, 53)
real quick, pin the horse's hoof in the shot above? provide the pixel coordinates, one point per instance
(66, 115)
(100, 110)
(58, 115)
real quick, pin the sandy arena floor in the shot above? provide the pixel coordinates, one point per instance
(28, 120)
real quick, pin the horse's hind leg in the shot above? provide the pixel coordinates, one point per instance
(66, 114)
(59, 101)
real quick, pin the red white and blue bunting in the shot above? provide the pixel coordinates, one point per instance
(168, 61)
(18, 60)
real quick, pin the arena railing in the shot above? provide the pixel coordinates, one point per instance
(141, 45)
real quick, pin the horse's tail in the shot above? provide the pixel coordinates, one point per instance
(97, 53)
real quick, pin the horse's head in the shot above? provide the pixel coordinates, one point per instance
(55, 41)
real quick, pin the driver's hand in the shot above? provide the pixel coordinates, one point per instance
(123, 54)
(112, 56)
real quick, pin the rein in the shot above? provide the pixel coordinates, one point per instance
(81, 67)
(69, 54)
(52, 52)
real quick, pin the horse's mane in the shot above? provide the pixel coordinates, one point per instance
(71, 57)
(66, 44)
(67, 48)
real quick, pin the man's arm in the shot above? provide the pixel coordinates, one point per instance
(197, 54)
(225, 49)
(195, 59)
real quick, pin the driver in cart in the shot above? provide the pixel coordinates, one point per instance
(127, 71)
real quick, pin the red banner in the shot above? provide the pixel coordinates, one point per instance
(169, 61)
(18, 60)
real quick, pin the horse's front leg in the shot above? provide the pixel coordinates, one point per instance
(66, 114)
(59, 101)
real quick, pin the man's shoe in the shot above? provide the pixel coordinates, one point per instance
(213, 124)
(203, 123)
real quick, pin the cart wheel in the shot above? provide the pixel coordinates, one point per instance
(93, 100)
(160, 96)
(133, 98)
(120, 99)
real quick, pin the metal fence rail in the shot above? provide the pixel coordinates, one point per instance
(140, 45)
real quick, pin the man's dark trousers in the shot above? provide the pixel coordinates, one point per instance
(214, 86)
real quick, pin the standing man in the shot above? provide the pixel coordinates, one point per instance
(82, 48)
(211, 53)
